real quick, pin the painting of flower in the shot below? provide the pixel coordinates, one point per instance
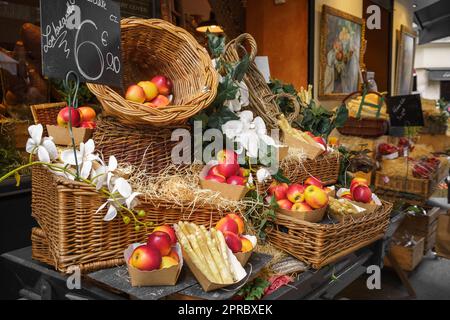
(341, 54)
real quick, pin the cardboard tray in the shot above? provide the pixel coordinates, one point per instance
(61, 135)
(161, 277)
(227, 191)
(311, 151)
(314, 216)
(243, 257)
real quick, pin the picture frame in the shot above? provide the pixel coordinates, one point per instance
(342, 48)
(406, 52)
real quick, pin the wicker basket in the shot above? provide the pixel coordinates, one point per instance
(325, 168)
(321, 244)
(151, 47)
(145, 147)
(263, 102)
(77, 236)
(46, 113)
(364, 128)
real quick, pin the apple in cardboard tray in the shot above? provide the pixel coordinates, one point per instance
(227, 224)
(279, 190)
(296, 193)
(315, 197)
(228, 163)
(145, 258)
(63, 117)
(301, 207)
(161, 241)
(170, 231)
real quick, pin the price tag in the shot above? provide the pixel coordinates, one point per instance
(82, 36)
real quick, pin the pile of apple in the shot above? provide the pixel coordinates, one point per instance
(309, 196)
(82, 117)
(154, 93)
(157, 253)
(228, 170)
(359, 191)
(232, 227)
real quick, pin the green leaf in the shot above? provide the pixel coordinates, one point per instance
(216, 44)
(218, 119)
(280, 177)
(203, 117)
(227, 90)
(341, 116)
(241, 68)
(273, 203)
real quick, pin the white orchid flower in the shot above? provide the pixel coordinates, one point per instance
(103, 175)
(122, 195)
(263, 175)
(44, 147)
(85, 156)
(249, 132)
(242, 98)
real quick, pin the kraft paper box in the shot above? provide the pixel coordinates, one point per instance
(160, 277)
(61, 135)
(310, 216)
(311, 151)
(227, 191)
(244, 256)
(361, 212)
(370, 207)
(205, 283)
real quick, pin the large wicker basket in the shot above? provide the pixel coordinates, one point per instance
(77, 236)
(325, 168)
(156, 47)
(263, 102)
(319, 244)
(365, 128)
(46, 113)
(145, 147)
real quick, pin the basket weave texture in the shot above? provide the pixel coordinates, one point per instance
(77, 236)
(153, 47)
(263, 102)
(145, 147)
(320, 244)
(365, 128)
(46, 113)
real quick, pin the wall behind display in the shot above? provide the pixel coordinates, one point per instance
(281, 32)
(353, 7)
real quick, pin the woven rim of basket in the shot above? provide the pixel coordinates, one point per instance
(131, 112)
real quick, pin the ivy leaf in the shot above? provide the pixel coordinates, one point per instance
(227, 90)
(241, 68)
(216, 44)
(341, 116)
(218, 119)
(280, 177)
(203, 117)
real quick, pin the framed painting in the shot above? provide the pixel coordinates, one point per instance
(342, 48)
(406, 51)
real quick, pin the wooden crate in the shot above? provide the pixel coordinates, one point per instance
(407, 258)
(423, 226)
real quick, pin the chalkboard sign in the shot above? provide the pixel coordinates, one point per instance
(405, 111)
(81, 36)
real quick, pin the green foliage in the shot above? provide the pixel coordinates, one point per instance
(254, 290)
(280, 177)
(85, 96)
(285, 104)
(216, 44)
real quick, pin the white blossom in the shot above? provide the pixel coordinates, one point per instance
(44, 147)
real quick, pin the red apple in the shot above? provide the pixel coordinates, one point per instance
(315, 197)
(150, 89)
(228, 163)
(309, 133)
(135, 93)
(227, 224)
(279, 190)
(320, 141)
(296, 193)
(233, 241)
(145, 258)
(169, 230)
(214, 171)
(238, 220)
(63, 117)
(88, 125)
(149, 104)
(313, 181)
(163, 84)
(347, 195)
(358, 182)
(236, 180)
(362, 193)
(218, 179)
(301, 207)
(160, 101)
(87, 114)
(285, 204)
(247, 245)
(161, 241)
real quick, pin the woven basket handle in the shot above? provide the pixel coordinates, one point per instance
(238, 45)
(291, 117)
